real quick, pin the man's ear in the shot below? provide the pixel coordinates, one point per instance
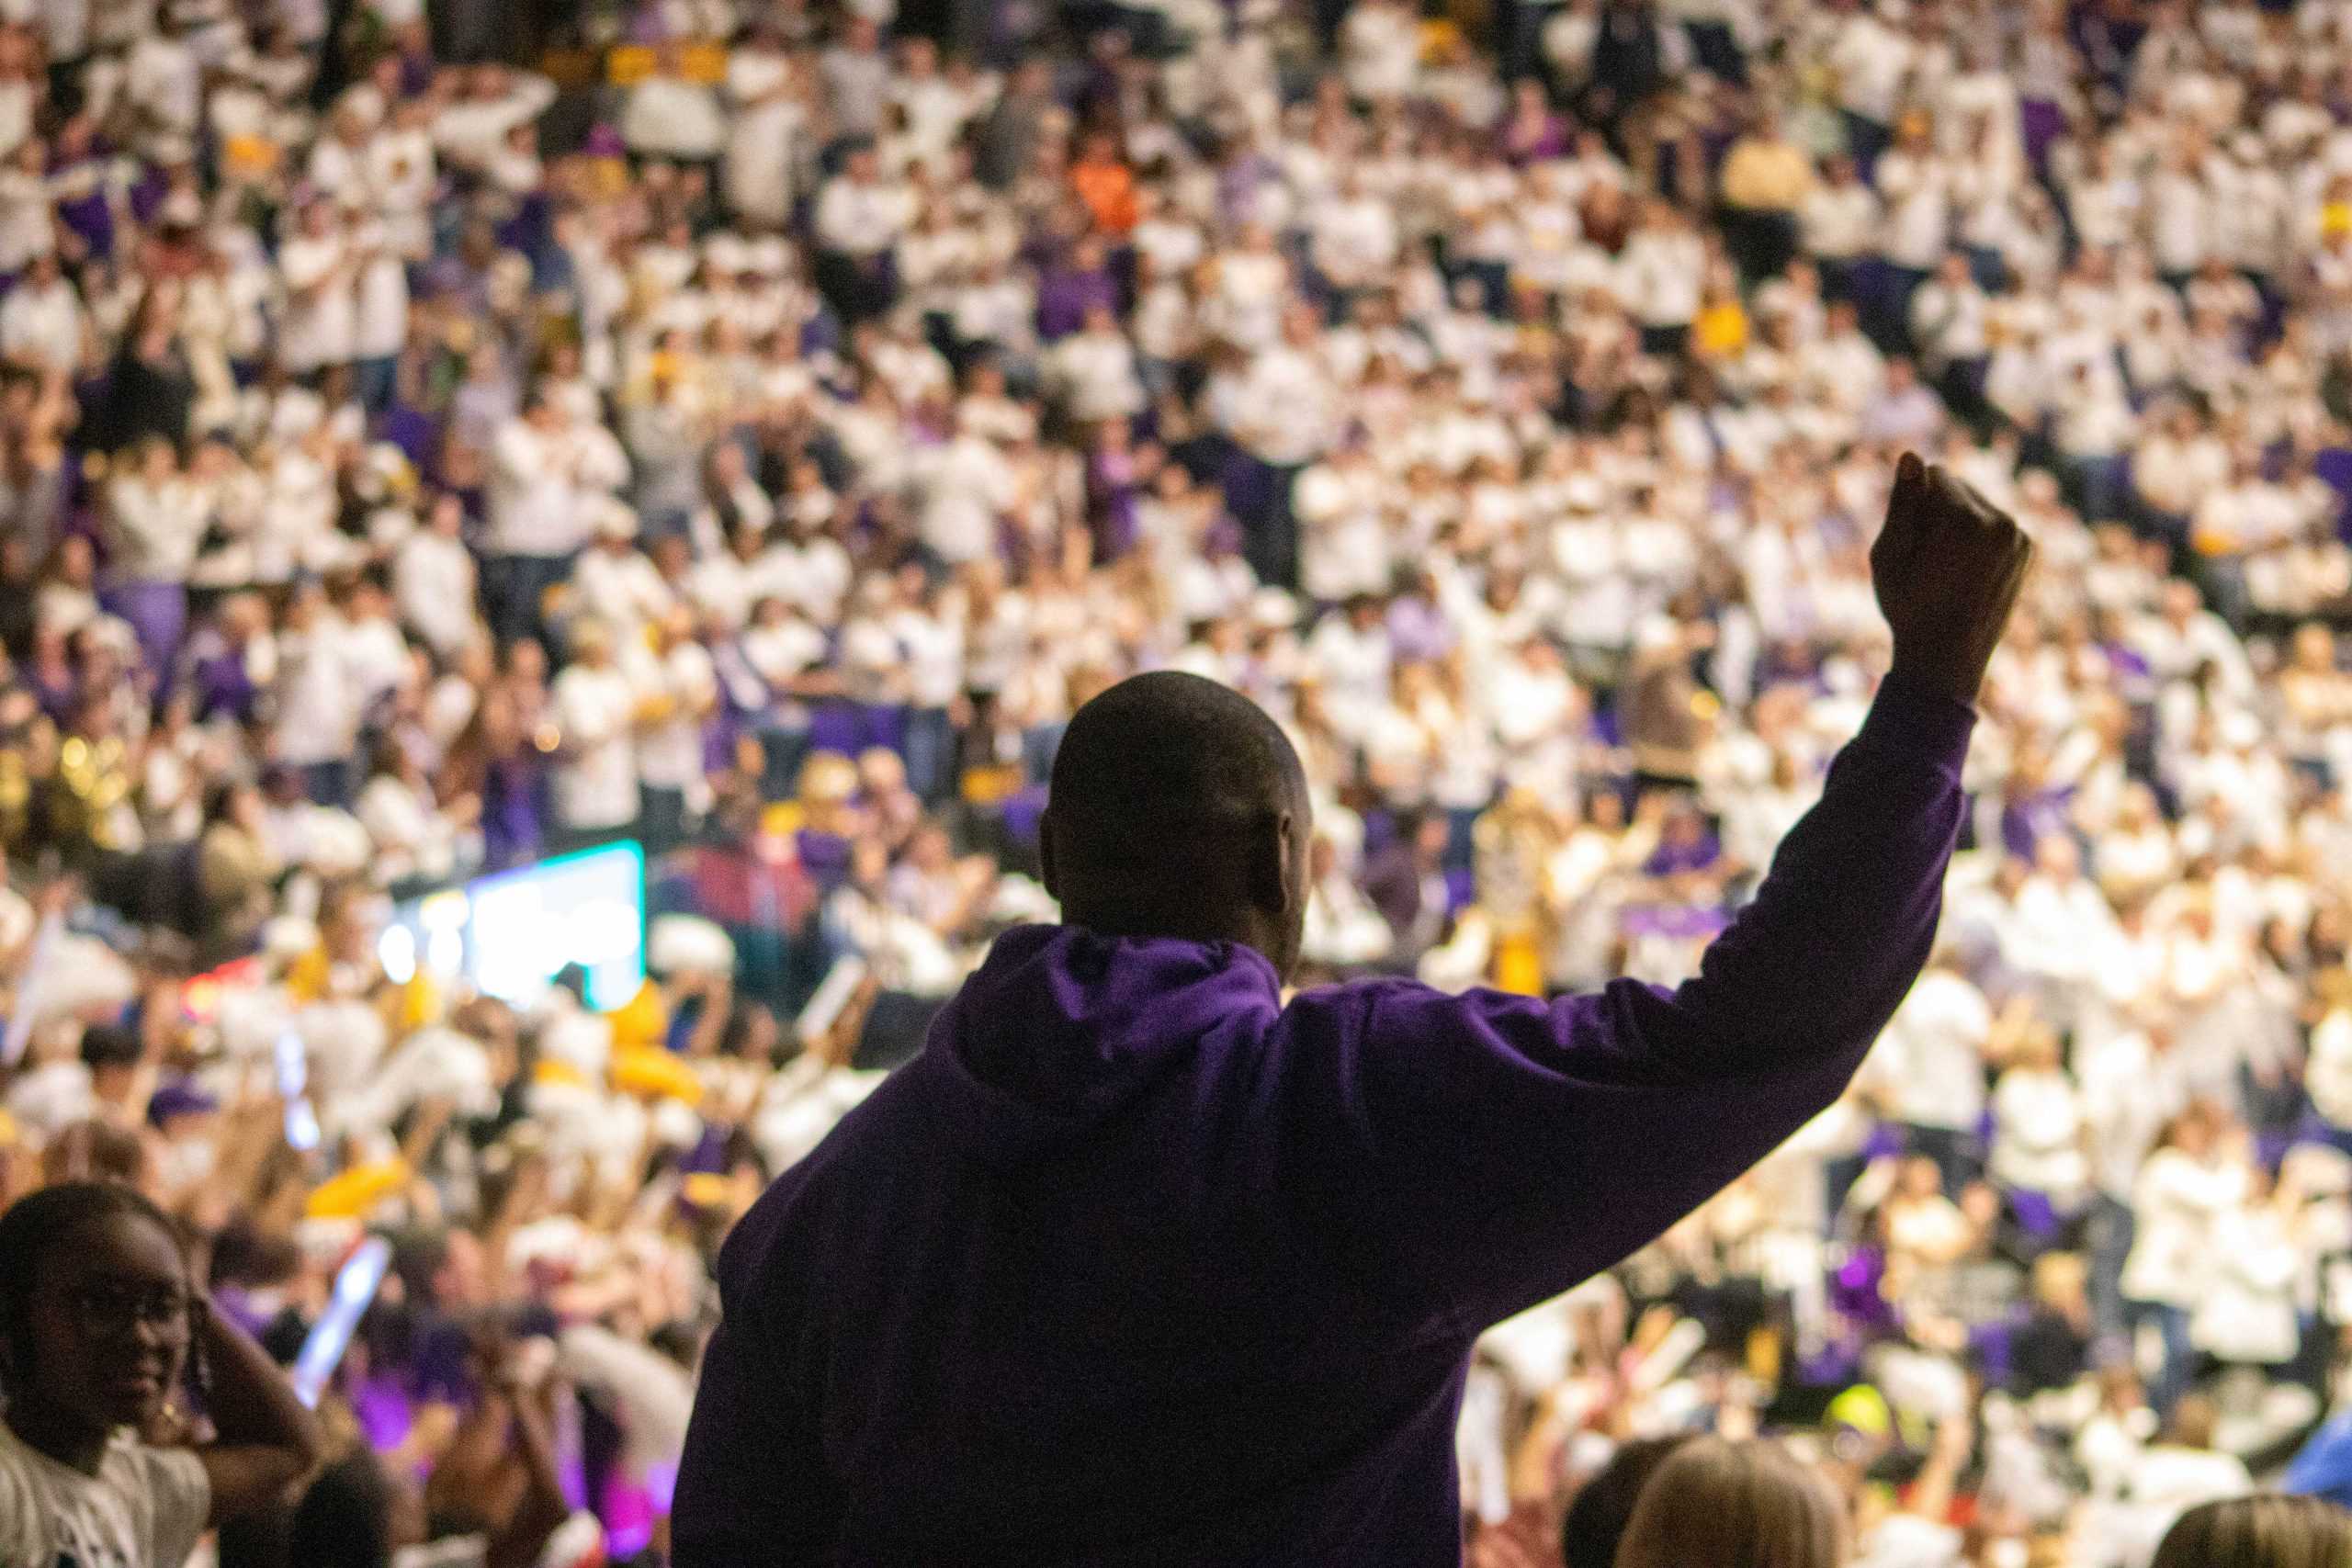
(1275, 886)
(1046, 854)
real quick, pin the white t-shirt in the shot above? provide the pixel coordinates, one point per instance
(1870, 60)
(622, 589)
(932, 646)
(433, 583)
(862, 219)
(474, 132)
(1917, 191)
(668, 117)
(379, 306)
(27, 227)
(1906, 1540)
(2039, 1144)
(1380, 47)
(1839, 221)
(319, 698)
(2178, 1202)
(42, 324)
(1095, 372)
(145, 1508)
(1658, 276)
(163, 78)
(534, 505)
(595, 785)
(322, 314)
(669, 754)
(966, 486)
(1930, 1064)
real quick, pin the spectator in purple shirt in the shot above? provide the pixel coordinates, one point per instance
(1532, 131)
(1138, 1264)
(1084, 282)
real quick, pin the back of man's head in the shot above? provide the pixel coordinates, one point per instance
(1604, 1505)
(1179, 810)
(345, 1516)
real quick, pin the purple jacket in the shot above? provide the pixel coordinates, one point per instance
(1136, 1265)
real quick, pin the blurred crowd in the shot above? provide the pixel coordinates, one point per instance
(751, 427)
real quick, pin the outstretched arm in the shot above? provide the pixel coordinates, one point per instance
(1498, 1149)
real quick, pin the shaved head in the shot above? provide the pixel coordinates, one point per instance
(1179, 808)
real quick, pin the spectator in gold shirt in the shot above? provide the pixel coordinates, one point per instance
(1765, 180)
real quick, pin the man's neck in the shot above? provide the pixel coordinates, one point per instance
(1146, 925)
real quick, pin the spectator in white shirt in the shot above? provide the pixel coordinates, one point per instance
(472, 132)
(677, 692)
(338, 166)
(163, 81)
(1929, 1071)
(434, 580)
(1094, 371)
(154, 520)
(595, 713)
(931, 635)
(402, 177)
(860, 216)
(545, 471)
(321, 702)
(1380, 51)
(380, 310)
(1839, 222)
(320, 306)
(612, 581)
(1659, 277)
(1871, 58)
(671, 115)
(967, 488)
(42, 323)
(2188, 1184)
(1949, 315)
(765, 128)
(1915, 183)
(1281, 417)
(2038, 1124)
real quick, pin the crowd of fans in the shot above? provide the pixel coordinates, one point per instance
(753, 429)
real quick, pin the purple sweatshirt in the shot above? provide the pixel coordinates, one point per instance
(1136, 1265)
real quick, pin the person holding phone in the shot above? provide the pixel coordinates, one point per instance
(99, 1320)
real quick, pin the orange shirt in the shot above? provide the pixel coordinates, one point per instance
(1109, 192)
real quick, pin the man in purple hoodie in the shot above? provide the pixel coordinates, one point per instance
(1136, 1264)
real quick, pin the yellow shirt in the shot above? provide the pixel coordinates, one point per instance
(1721, 330)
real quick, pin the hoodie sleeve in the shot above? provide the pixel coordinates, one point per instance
(1494, 1150)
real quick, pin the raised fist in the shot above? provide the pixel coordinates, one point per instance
(1948, 567)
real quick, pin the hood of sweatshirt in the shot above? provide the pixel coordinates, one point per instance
(1061, 1030)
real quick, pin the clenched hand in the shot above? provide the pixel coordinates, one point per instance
(1948, 567)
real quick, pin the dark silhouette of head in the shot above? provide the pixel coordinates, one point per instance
(1179, 810)
(1604, 1506)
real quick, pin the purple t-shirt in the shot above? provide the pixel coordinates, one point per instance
(1136, 1264)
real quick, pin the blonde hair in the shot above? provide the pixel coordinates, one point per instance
(1735, 1506)
(2262, 1532)
(2059, 1275)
